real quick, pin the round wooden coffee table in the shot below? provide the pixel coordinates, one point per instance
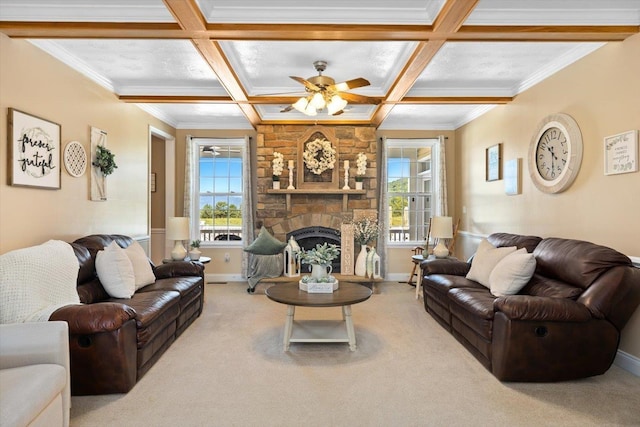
(319, 331)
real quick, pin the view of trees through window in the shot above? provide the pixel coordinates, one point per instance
(220, 197)
(409, 189)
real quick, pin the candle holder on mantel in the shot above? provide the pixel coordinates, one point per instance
(291, 187)
(346, 176)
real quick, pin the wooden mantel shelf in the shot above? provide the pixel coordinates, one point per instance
(317, 191)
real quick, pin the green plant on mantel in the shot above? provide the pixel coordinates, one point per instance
(195, 244)
(105, 160)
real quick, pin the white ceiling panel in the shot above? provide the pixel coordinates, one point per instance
(555, 12)
(199, 116)
(352, 112)
(494, 69)
(326, 11)
(148, 67)
(85, 11)
(265, 67)
(423, 117)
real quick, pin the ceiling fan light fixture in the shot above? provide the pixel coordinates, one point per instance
(301, 105)
(310, 110)
(318, 101)
(336, 104)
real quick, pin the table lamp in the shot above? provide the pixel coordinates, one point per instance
(178, 230)
(441, 228)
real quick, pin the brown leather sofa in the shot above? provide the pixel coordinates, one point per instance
(564, 324)
(114, 342)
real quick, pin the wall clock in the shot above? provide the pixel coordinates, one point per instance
(555, 153)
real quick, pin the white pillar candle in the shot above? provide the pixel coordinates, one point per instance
(346, 164)
(290, 163)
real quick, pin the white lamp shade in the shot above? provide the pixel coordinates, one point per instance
(301, 104)
(442, 227)
(177, 228)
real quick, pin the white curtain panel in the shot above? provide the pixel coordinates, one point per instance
(383, 203)
(440, 184)
(248, 219)
(189, 179)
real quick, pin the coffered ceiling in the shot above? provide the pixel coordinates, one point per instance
(220, 64)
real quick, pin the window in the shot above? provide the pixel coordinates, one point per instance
(410, 188)
(219, 200)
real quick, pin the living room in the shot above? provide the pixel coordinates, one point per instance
(600, 91)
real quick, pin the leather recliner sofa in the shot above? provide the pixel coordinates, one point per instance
(564, 324)
(114, 342)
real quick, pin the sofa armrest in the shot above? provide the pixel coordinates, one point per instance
(178, 269)
(24, 344)
(86, 319)
(445, 266)
(527, 307)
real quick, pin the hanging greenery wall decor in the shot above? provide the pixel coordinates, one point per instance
(105, 160)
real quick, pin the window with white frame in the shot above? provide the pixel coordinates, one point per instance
(411, 171)
(218, 197)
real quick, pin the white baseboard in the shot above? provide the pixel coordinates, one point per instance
(628, 362)
(222, 278)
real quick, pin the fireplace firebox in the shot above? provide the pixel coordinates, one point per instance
(309, 237)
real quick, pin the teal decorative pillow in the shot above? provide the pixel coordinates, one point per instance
(265, 244)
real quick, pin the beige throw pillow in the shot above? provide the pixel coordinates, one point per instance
(142, 270)
(512, 273)
(115, 271)
(486, 258)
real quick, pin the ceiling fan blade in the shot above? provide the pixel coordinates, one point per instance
(287, 109)
(294, 93)
(358, 99)
(306, 84)
(349, 84)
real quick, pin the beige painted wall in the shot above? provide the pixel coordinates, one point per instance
(602, 93)
(36, 83)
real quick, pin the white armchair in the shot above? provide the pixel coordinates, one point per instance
(35, 386)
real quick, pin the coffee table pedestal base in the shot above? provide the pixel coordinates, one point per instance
(319, 331)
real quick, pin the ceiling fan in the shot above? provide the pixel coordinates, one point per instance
(323, 91)
(214, 151)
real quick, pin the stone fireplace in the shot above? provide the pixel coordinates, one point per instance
(323, 206)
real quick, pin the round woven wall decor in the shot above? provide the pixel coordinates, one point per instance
(75, 159)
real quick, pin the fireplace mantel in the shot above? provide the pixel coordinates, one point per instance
(345, 194)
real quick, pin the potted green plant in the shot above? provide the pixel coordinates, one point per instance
(105, 160)
(361, 163)
(319, 258)
(194, 253)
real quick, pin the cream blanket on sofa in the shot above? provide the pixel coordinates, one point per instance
(36, 281)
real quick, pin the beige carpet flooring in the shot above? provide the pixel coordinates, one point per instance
(229, 369)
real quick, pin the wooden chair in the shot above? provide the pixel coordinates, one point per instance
(419, 250)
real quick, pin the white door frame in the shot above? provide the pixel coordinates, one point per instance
(170, 179)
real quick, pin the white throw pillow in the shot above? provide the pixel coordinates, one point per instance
(141, 268)
(115, 271)
(512, 273)
(485, 259)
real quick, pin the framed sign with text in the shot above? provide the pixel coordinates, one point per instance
(34, 151)
(621, 153)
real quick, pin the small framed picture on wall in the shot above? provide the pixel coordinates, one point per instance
(493, 162)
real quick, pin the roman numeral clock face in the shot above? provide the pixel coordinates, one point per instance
(555, 153)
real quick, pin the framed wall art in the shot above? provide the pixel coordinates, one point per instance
(34, 151)
(493, 160)
(621, 153)
(512, 180)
